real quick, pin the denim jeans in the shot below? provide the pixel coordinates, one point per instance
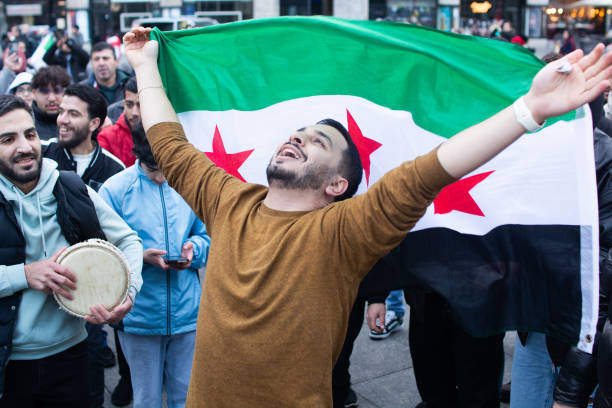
(157, 361)
(395, 302)
(533, 374)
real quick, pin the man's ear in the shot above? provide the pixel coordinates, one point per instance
(94, 124)
(337, 187)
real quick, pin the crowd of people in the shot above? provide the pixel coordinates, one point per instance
(88, 150)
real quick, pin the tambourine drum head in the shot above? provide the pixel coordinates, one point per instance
(102, 274)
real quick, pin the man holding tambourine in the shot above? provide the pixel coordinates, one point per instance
(42, 210)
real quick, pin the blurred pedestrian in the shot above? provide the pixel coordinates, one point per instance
(76, 35)
(568, 45)
(14, 62)
(66, 53)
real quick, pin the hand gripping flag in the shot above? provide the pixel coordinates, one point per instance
(511, 246)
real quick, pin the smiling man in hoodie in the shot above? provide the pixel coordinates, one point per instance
(43, 354)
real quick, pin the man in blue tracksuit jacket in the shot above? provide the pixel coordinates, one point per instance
(159, 333)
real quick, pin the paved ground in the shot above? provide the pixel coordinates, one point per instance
(381, 371)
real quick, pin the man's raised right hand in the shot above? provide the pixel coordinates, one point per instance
(139, 48)
(48, 276)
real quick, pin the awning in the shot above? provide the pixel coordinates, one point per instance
(591, 3)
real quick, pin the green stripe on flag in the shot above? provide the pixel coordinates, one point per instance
(447, 81)
(48, 43)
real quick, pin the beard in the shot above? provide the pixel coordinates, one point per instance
(313, 177)
(135, 127)
(24, 176)
(78, 136)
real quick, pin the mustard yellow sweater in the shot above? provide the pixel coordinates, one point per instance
(280, 285)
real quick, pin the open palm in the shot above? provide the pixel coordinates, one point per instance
(553, 93)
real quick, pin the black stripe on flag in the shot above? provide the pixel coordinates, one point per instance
(523, 277)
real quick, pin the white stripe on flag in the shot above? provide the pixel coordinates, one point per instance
(544, 178)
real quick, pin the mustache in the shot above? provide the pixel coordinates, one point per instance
(298, 149)
(22, 156)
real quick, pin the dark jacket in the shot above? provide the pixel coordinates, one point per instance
(46, 124)
(76, 216)
(112, 94)
(103, 165)
(74, 62)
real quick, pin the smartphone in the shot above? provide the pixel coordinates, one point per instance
(176, 261)
(13, 47)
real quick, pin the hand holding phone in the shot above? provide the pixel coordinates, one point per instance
(176, 262)
(13, 47)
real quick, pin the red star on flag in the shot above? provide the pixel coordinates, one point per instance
(364, 145)
(457, 196)
(230, 162)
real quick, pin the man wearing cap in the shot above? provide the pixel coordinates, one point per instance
(22, 87)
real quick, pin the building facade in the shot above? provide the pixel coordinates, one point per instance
(99, 19)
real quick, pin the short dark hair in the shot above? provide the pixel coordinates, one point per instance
(130, 85)
(350, 165)
(9, 103)
(96, 104)
(552, 56)
(53, 75)
(142, 148)
(101, 46)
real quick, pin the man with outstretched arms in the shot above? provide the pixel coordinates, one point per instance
(43, 352)
(286, 260)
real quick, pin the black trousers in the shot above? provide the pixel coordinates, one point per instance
(95, 368)
(124, 368)
(341, 379)
(452, 368)
(603, 397)
(58, 381)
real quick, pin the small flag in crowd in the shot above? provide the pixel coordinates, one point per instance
(511, 246)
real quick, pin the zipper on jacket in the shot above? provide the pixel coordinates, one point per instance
(168, 300)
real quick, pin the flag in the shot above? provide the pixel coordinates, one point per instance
(512, 245)
(36, 60)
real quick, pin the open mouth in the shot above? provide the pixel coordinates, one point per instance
(63, 131)
(25, 161)
(291, 152)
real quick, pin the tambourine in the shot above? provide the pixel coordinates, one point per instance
(103, 276)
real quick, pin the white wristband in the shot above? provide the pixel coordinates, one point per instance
(524, 116)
